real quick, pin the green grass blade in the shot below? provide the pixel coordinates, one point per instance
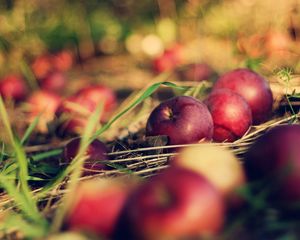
(40, 156)
(147, 93)
(9, 185)
(16, 222)
(30, 129)
(76, 167)
(27, 72)
(21, 160)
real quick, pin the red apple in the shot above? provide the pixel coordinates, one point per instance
(54, 81)
(196, 72)
(169, 60)
(96, 151)
(45, 104)
(183, 119)
(74, 114)
(13, 87)
(276, 154)
(217, 164)
(97, 205)
(231, 115)
(62, 61)
(76, 109)
(99, 93)
(42, 66)
(253, 87)
(176, 204)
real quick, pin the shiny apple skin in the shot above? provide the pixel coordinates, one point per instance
(183, 119)
(176, 203)
(231, 115)
(253, 88)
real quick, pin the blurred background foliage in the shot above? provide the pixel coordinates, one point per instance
(225, 34)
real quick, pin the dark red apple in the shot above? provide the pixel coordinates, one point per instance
(253, 87)
(176, 204)
(196, 72)
(276, 154)
(97, 205)
(54, 81)
(62, 61)
(231, 115)
(183, 119)
(75, 110)
(96, 152)
(13, 87)
(169, 60)
(42, 66)
(45, 104)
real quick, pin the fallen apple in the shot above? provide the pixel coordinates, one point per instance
(43, 104)
(54, 81)
(196, 72)
(97, 204)
(218, 164)
(253, 87)
(183, 119)
(169, 60)
(76, 109)
(96, 152)
(13, 87)
(175, 204)
(276, 155)
(231, 115)
(62, 61)
(42, 66)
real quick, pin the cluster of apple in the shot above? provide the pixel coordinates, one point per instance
(192, 197)
(49, 101)
(238, 99)
(188, 199)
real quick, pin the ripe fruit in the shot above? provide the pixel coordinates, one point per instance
(45, 104)
(96, 94)
(169, 60)
(42, 66)
(276, 155)
(197, 72)
(62, 61)
(231, 115)
(13, 87)
(54, 81)
(97, 205)
(96, 152)
(254, 88)
(183, 119)
(218, 164)
(176, 204)
(75, 110)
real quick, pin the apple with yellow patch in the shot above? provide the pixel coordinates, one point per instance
(218, 164)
